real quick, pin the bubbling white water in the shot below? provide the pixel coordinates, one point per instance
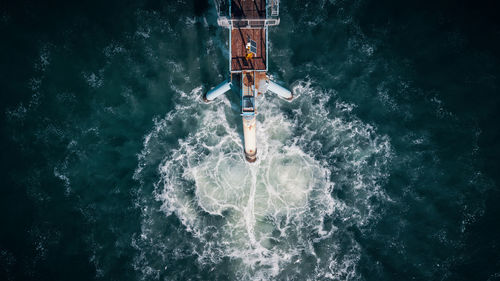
(268, 215)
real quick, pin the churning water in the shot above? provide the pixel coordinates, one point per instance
(267, 219)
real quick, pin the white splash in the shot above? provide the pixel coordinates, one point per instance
(272, 214)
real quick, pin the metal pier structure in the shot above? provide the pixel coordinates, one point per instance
(248, 22)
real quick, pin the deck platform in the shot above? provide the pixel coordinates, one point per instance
(239, 38)
(248, 9)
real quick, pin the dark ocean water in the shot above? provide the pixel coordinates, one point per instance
(384, 166)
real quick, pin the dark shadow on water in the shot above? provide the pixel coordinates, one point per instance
(200, 7)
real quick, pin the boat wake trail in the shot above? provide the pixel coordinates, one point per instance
(289, 215)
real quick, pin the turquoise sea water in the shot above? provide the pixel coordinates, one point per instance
(383, 167)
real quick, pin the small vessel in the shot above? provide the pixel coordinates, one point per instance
(248, 22)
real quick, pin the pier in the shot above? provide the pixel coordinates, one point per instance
(248, 22)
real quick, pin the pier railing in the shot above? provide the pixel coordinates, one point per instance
(224, 18)
(246, 23)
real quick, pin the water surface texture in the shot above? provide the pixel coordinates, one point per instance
(383, 167)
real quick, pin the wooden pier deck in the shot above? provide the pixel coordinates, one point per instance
(239, 38)
(248, 9)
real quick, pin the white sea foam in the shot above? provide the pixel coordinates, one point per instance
(276, 213)
(94, 80)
